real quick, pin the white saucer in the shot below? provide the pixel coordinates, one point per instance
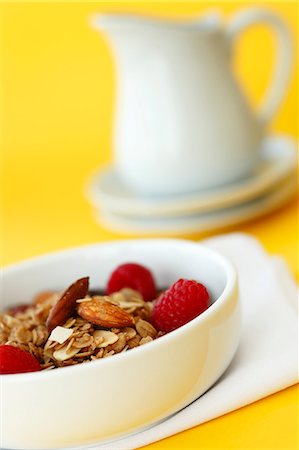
(204, 222)
(278, 160)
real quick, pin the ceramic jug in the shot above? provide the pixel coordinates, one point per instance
(182, 123)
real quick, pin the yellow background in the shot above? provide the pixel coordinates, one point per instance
(57, 86)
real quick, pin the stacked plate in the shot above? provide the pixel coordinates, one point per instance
(271, 184)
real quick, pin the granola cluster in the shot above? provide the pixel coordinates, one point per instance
(86, 335)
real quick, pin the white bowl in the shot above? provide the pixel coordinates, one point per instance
(106, 399)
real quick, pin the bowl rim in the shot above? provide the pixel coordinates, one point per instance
(230, 286)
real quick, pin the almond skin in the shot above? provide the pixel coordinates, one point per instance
(104, 314)
(66, 305)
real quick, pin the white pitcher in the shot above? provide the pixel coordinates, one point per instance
(182, 123)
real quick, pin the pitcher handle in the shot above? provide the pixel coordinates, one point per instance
(283, 65)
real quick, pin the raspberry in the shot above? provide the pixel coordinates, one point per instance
(16, 360)
(183, 301)
(134, 276)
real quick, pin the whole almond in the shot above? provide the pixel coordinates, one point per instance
(66, 305)
(42, 297)
(104, 314)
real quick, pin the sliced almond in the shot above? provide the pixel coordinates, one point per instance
(63, 354)
(66, 305)
(129, 305)
(104, 314)
(69, 323)
(134, 342)
(60, 334)
(83, 341)
(128, 298)
(120, 344)
(104, 338)
(145, 340)
(81, 300)
(132, 294)
(129, 332)
(145, 329)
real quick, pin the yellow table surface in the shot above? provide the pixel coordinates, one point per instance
(58, 90)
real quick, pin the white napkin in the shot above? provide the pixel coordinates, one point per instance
(267, 358)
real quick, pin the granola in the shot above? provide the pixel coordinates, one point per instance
(81, 338)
